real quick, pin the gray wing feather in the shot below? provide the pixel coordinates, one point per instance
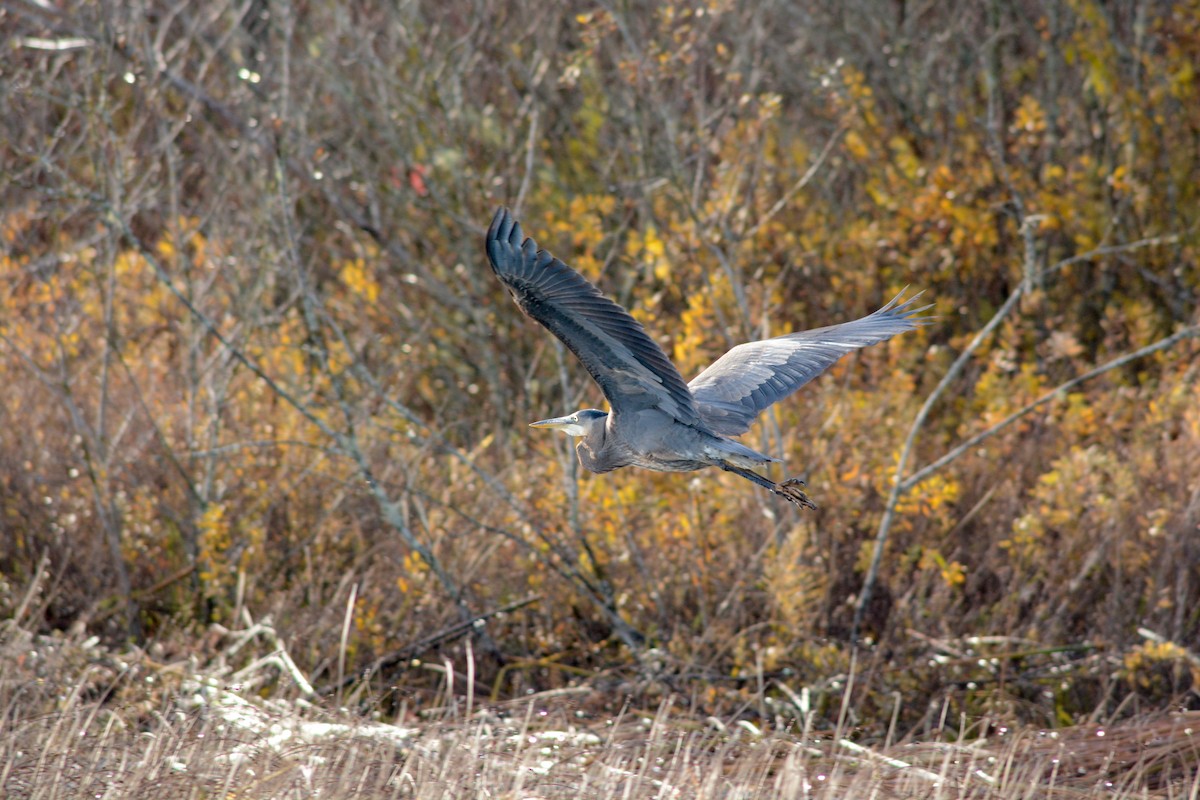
(752, 376)
(631, 369)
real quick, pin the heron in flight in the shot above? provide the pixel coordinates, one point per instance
(657, 421)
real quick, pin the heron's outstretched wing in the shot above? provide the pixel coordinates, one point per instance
(632, 371)
(750, 377)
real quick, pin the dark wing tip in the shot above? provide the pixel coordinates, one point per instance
(504, 241)
(497, 220)
(502, 225)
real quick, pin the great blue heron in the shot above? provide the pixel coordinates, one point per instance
(657, 421)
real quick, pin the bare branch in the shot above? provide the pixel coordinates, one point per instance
(901, 484)
(1191, 332)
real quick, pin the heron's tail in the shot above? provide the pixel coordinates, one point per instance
(722, 449)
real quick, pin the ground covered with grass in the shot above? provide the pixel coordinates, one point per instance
(80, 720)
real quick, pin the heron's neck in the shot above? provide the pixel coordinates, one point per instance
(591, 447)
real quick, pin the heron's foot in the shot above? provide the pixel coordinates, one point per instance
(793, 490)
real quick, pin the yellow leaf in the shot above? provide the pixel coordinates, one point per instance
(856, 146)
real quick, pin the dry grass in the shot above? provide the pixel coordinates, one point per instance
(253, 355)
(79, 721)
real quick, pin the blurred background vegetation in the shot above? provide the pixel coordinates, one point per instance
(254, 361)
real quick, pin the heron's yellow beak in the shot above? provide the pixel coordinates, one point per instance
(568, 425)
(557, 424)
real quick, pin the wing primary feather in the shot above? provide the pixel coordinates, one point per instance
(630, 368)
(732, 391)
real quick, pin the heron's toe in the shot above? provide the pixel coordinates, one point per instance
(792, 489)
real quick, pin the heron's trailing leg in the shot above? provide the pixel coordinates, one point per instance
(792, 489)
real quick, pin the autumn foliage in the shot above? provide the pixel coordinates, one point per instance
(253, 358)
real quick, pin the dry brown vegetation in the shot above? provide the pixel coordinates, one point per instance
(255, 368)
(82, 721)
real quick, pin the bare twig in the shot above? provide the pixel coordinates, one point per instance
(799, 185)
(903, 484)
(530, 150)
(35, 585)
(441, 637)
(347, 621)
(889, 510)
(1162, 344)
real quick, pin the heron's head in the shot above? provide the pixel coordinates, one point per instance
(578, 424)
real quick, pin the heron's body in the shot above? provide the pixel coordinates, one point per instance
(652, 439)
(657, 421)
